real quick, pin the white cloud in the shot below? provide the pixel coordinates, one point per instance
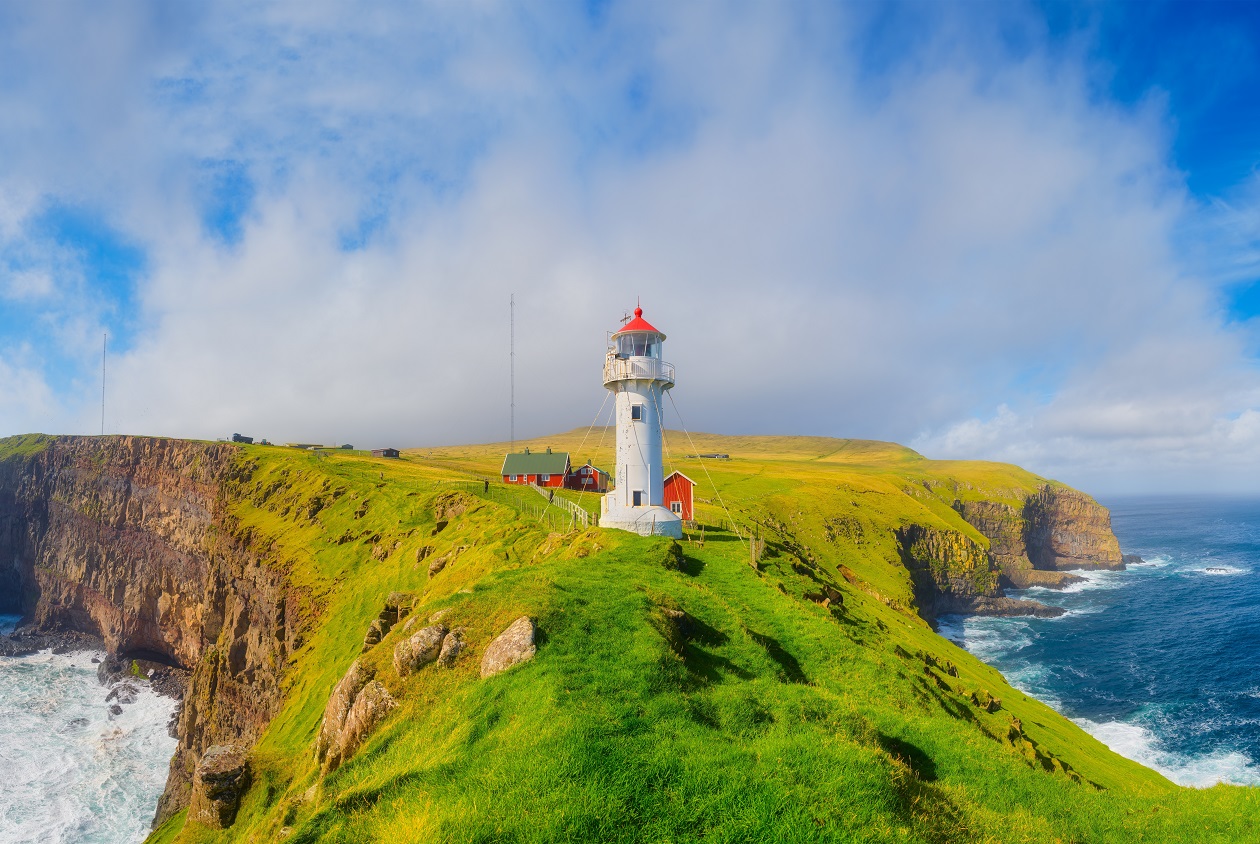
(832, 250)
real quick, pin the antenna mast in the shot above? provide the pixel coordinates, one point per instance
(512, 342)
(104, 342)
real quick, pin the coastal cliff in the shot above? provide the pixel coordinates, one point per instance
(266, 575)
(126, 538)
(1054, 529)
(1032, 542)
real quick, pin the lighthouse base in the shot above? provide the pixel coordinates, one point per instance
(645, 521)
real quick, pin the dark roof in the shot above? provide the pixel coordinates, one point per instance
(536, 463)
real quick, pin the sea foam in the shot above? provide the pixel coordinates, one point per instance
(1140, 744)
(73, 772)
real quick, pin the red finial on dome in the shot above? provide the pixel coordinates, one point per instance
(638, 312)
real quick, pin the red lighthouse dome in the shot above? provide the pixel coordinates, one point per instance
(638, 324)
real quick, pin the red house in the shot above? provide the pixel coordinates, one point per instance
(588, 478)
(546, 469)
(678, 498)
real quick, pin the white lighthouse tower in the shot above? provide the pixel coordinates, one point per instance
(638, 377)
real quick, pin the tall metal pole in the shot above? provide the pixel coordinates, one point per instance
(512, 342)
(104, 342)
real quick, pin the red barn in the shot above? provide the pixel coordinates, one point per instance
(678, 498)
(545, 469)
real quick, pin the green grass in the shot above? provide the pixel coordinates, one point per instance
(777, 720)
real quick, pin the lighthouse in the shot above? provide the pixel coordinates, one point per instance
(637, 376)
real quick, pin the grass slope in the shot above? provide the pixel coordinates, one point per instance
(775, 719)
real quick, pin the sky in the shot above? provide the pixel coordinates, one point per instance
(1012, 231)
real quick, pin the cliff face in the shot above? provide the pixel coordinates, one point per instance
(1069, 530)
(1055, 529)
(949, 569)
(127, 537)
(952, 573)
(1031, 544)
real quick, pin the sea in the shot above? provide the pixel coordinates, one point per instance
(72, 770)
(1160, 662)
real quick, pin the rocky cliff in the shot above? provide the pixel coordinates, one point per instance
(1054, 529)
(128, 538)
(1031, 543)
(952, 573)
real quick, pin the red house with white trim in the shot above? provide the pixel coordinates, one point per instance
(678, 495)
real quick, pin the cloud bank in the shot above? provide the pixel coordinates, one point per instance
(937, 233)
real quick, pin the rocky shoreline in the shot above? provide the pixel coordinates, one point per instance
(25, 642)
(122, 677)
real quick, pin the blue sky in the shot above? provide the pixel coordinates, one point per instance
(1015, 231)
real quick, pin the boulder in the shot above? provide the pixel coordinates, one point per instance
(221, 778)
(327, 744)
(452, 646)
(356, 706)
(399, 603)
(418, 650)
(513, 646)
(369, 709)
(376, 631)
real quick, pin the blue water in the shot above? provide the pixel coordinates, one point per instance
(72, 771)
(1160, 662)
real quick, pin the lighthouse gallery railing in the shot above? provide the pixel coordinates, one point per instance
(637, 368)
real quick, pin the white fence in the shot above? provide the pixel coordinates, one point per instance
(579, 514)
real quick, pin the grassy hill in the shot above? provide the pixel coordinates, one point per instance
(765, 714)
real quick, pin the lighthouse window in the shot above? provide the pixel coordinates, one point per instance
(638, 498)
(636, 412)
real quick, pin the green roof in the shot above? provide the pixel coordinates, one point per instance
(536, 463)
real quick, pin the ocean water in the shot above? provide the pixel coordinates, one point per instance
(71, 772)
(1160, 662)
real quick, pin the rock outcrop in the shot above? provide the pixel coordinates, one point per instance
(221, 778)
(128, 538)
(1069, 530)
(452, 646)
(1054, 529)
(1030, 544)
(418, 650)
(952, 573)
(511, 647)
(355, 708)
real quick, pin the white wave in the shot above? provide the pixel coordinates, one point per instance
(1219, 571)
(987, 637)
(1157, 562)
(1093, 579)
(75, 772)
(1072, 613)
(1138, 743)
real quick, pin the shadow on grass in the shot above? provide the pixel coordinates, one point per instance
(910, 755)
(789, 669)
(711, 668)
(690, 566)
